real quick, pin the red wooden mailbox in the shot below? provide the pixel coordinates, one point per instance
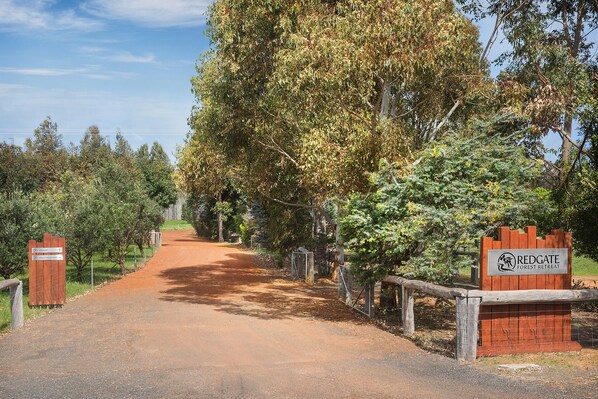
(47, 271)
(520, 261)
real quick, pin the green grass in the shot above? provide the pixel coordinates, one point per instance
(104, 271)
(584, 266)
(175, 225)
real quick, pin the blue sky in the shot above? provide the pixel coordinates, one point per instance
(119, 64)
(116, 64)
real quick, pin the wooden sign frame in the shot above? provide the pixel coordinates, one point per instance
(47, 278)
(506, 329)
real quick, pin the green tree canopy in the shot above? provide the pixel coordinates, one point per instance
(158, 174)
(463, 188)
(17, 227)
(47, 151)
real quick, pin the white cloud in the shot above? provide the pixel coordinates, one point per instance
(44, 71)
(70, 20)
(92, 49)
(94, 72)
(118, 56)
(7, 88)
(36, 15)
(128, 57)
(154, 13)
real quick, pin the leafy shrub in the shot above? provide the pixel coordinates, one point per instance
(17, 227)
(582, 213)
(462, 188)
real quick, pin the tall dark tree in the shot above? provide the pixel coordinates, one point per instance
(158, 174)
(94, 151)
(47, 150)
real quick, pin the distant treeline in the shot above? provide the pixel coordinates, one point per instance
(101, 197)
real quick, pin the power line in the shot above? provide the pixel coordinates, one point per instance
(80, 133)
(149, 129)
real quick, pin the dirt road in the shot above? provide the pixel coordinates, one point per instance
(201, 321)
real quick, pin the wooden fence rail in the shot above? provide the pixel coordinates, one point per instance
(16, 300)
(468, 306)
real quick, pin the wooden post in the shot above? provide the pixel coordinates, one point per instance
(62, 272)
(461, 328)
(348, 281)
(369, 299)
(473, 312)
(16, 305)
(468, 310)
(47, 271)
(474, 274)
(309, 272)
(339, 253)
(407, 311)
(388, 296)
(344, 285)
(32, 275)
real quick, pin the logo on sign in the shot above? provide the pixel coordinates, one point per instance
(528, 261)
(506, 262)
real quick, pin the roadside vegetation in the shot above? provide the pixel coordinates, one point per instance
(316, 114)
(104, 198)
(101, 197)
(104, 271)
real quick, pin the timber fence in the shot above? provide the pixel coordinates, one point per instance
(469, 302)
(519, 317)
(15, 287)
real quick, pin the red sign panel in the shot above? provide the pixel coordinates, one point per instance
(525, 328)
(47, 271)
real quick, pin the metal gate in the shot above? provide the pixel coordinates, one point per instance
(302, 265)
(356, 296)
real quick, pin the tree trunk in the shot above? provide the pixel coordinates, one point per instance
(388, 101)
(566, 148)
(339, 258)
(122, 257)
(79, 267)
(220, 232)
(139, 244)
(77, 259)
(574, 47)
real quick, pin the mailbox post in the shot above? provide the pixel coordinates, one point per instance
(47, 271)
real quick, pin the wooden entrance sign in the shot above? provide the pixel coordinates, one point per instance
(47, 271)
(525, 328)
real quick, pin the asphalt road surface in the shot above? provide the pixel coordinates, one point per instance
(202, 321)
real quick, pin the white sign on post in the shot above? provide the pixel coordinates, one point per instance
(47, 257)
(50, 250)
(520, 262)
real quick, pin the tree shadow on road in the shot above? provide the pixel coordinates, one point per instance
(239, 287)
